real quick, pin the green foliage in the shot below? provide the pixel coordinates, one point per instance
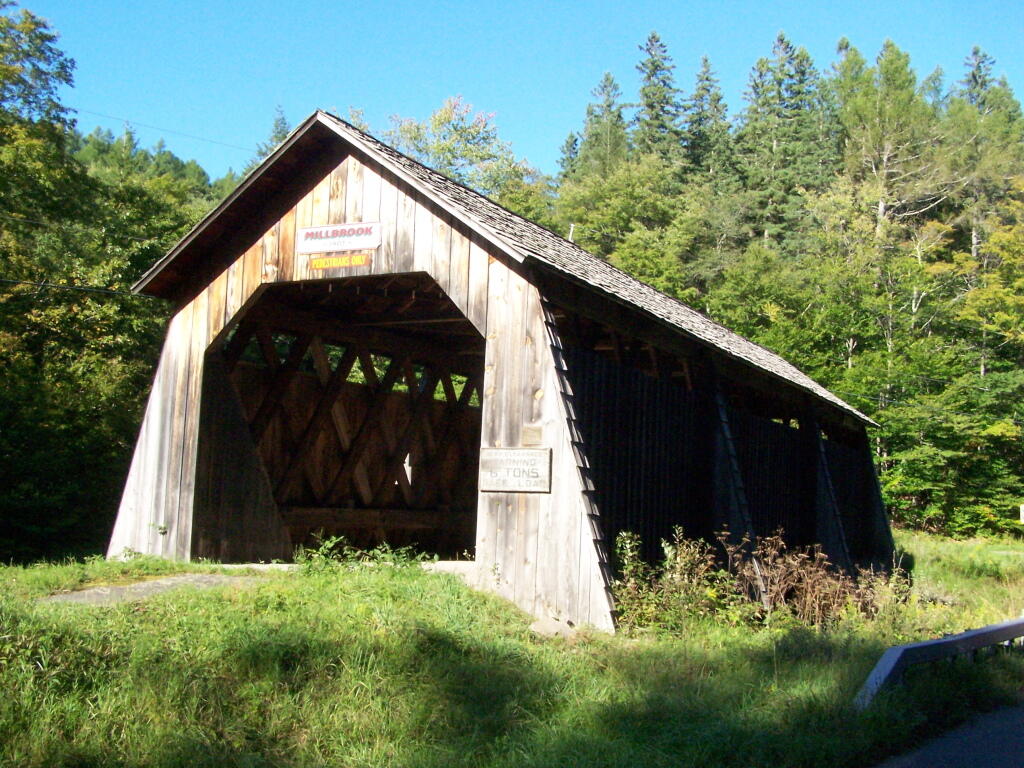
(787, 142)
(459, 143)
(604, 141)
(75, 212)
(332, 552)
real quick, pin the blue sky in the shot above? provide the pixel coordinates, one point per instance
(217, 69)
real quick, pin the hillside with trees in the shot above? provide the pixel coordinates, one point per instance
(863, 221)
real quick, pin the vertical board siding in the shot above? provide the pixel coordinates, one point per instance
(424, 242)
(182, 538)
(535, 549)
(388, 218)
(476, 301)
(143, 492)
(337, 212)
(441, 252)
(174, 425)
(458, 270)
(535, 396)
(405, 232)
(271, 253)
(286, 244)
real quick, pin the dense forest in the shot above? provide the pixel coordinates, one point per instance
(864, 222)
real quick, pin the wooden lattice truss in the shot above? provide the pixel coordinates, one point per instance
(366, 425)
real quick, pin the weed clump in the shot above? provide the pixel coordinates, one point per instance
(331, 552)
(744, 582)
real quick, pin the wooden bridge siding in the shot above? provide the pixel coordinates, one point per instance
(155, 515)
(536, 549)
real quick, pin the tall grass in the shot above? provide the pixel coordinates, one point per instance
(388, 665)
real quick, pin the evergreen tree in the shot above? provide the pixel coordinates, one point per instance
(786, 143)
(279, 131)
(657, 119)
(568, 155)
(604, 144)
(978, 80)
(706, 135)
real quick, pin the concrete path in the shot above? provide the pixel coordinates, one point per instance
(993, 740)
(140, 590)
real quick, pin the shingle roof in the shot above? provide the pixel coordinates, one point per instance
(527, 240)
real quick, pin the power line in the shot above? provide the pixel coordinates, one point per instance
(128, 120)
(83, 288)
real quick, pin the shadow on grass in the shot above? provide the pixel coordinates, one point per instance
(505, 701)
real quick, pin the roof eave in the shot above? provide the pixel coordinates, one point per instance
(843, 408)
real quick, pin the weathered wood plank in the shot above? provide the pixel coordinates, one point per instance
(145, 487)
(536, 411)
(172, 432)
(502, 414)
(271, 254)
(371, 193)
(489, 505)
(252, 270)
(424, 229)
(286, 244)
(303, 218)
(190, 438)
(389, 226)
(320, 203)
(405, 234)
(458, 271)
(234, 290)
(479, 267)
(440, 252)
(216, 296)
(354, 200)
(338, 211)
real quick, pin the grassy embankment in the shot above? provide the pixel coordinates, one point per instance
(361, 666)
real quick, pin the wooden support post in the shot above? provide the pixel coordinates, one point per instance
(883, 546)
(826, 506)
(739, 512)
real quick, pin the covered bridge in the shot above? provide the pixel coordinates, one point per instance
(361, 347)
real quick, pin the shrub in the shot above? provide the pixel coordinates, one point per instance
(743, 582)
